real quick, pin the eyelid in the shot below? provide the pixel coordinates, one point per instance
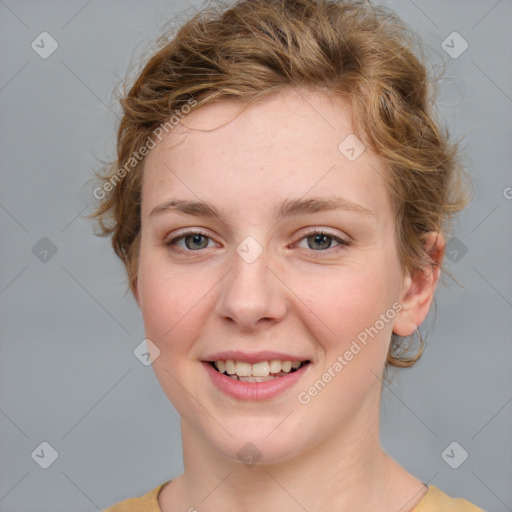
(171, 241)
(342, 241)
(190, 231)
(312, 230)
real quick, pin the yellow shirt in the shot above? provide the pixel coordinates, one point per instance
(434, 500)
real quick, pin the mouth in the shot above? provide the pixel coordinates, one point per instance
(256, 376)
(262, 371)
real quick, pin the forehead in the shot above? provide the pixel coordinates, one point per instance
(290, 143)
(283, 117)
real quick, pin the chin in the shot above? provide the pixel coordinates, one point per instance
(260, 444)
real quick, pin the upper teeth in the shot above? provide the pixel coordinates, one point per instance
(261, 369)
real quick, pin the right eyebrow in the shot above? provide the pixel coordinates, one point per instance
(195, 208)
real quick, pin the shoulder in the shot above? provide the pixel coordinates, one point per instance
(436, 500)
(146, 503)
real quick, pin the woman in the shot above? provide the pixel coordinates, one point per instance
(281, 200)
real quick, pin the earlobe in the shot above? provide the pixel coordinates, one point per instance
(419, 287)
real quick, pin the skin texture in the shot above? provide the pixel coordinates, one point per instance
(297, 297)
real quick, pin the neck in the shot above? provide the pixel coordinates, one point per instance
(348, 471)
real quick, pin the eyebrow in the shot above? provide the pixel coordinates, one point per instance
(288, 208)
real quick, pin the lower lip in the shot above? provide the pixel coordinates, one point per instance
(254, 390)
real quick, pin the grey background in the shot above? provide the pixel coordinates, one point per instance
(68, 374)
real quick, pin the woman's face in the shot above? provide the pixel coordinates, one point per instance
(257, 284)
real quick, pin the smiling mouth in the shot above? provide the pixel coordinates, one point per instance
(258, 372)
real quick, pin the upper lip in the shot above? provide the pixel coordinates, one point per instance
(254, 357)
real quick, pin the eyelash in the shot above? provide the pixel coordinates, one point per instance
(342, 243)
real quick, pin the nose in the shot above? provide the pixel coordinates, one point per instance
(251, 297)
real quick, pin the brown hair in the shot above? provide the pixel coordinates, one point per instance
(349, 49)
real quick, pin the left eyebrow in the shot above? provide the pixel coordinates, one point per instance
(287, 208)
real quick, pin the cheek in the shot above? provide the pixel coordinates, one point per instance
(170, 302)
(342, 303)
(173, 307)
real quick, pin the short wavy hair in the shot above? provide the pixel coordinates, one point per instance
(347, 49)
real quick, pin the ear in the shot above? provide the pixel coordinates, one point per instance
(419, 287)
